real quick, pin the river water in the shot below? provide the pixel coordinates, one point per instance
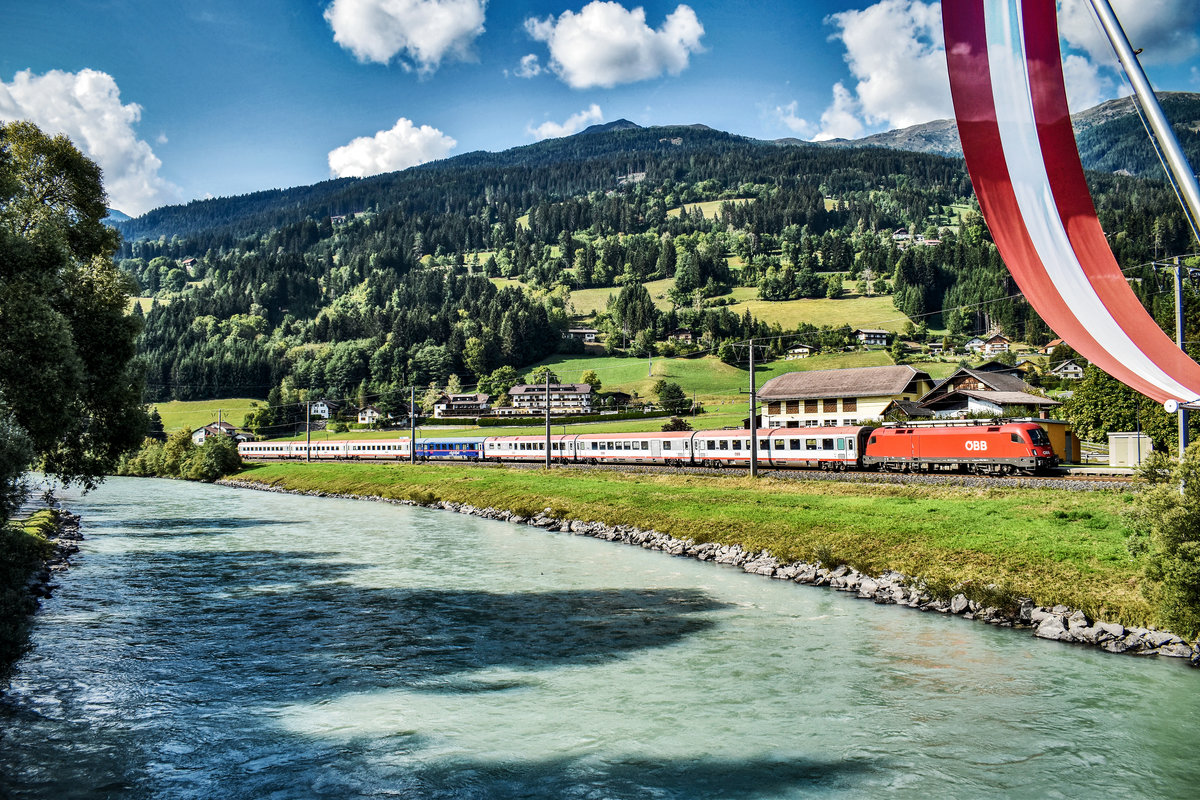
(219, 643)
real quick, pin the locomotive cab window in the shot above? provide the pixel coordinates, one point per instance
(1015, 437)
(1039, 437)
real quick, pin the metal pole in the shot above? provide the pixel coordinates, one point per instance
(753, 420)
(1183, 432)
(412, 424)
(1177, 162)
(307, 433)
(547, 419)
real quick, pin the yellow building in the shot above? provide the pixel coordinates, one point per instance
(838, 396)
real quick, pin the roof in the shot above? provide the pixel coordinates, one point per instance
(540, 388)
(995, 381)
(1066, 365)
(855, 382)
(908, 408)
(463, 398)
(999, 398)
(871, 330)
(799, 347)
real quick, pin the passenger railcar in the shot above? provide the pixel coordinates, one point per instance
(986, 448)
(459, 448)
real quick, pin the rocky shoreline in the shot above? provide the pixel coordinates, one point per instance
(66, 538)
(1058, 623)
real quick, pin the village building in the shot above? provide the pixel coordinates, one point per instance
(216, 429)
(564, 398)
(461, 405)
(996, 343)
(1068, 370)
(797, 352)
(682, 335)
(872, 336)
(369, 415)
(1048, 348)
(838, 396)
(981, 391)
(974, 344)
(323, 408)
(582, 334)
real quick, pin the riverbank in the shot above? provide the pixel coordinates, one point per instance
(32, 551)
(1051, 559)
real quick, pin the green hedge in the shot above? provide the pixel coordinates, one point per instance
(502, 422)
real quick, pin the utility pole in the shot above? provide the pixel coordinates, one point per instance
(412, 424)
(307, 432)
(1183, 431)
(547, 419)
(219, 431)
(753, 419)
(649, 363)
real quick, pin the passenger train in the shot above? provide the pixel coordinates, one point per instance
(991, 448)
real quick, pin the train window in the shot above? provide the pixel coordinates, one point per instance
(779, 444)
(810, 444)
(793, 444)
(872, 440)
(827, 444)
(645, 445)
(687, 445)
(1015, 438)
(841, 444)
(610, 445)
(666, 445)
(710, 445)
(850, 445)
(724, 444)
(764, 444)
(1039, 437)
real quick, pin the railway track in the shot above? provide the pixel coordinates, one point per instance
(1063, 482)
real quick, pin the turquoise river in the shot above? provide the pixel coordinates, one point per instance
(211, 642)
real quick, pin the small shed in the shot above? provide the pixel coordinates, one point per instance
(1128, 448)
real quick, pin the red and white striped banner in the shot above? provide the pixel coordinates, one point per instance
(1007, 81)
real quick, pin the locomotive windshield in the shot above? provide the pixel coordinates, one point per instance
(1039, 437)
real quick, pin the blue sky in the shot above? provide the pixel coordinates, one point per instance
(209, 98)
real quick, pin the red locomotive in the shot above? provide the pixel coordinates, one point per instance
(997, 449)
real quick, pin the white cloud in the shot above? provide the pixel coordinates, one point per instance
(425, 31)
(529, 67)
(405, 145)
(86, 106)
(573, 124)
(842, 120)
(1086, 87)
(1168, 31)
(786, 115)
(605, 44)
(895, 54)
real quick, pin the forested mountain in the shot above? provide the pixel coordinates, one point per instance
(362, 288)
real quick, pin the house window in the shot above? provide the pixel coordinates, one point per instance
(812, 423)
(829, 406)
(772, 408)
(793, 406)
(810, 406)
(849, 404)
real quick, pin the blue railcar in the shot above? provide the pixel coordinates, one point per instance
(460, 448)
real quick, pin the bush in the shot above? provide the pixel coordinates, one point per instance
(1165, 526)
(180, 457)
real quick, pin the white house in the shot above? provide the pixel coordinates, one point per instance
(797, 352)
(583, 334)
(974, 344)
(215, 429)
(872, 336)
(996, 343)
(461, 405)
(369, 415)
(1069, 369)
(322, 408)
(564, 398)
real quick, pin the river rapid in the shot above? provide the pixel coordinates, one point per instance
(211, 642)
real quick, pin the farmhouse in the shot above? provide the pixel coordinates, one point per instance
(461, 405)
(564, 398)
(214, 429)
(582, 334)
(838, 396)
(978, 391)
(799, 351)
(872, 336)
(1069, 370)
(323, 408)
(369, 415)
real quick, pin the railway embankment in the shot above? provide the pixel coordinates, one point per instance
(1052, 562)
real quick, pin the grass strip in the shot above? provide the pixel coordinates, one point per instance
(24, 547)
(1052, 545)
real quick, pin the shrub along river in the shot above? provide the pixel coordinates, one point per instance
(215, 642)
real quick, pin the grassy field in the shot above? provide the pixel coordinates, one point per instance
(1054, 546)
(853, 310)
(709, 208)
(192, 414)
